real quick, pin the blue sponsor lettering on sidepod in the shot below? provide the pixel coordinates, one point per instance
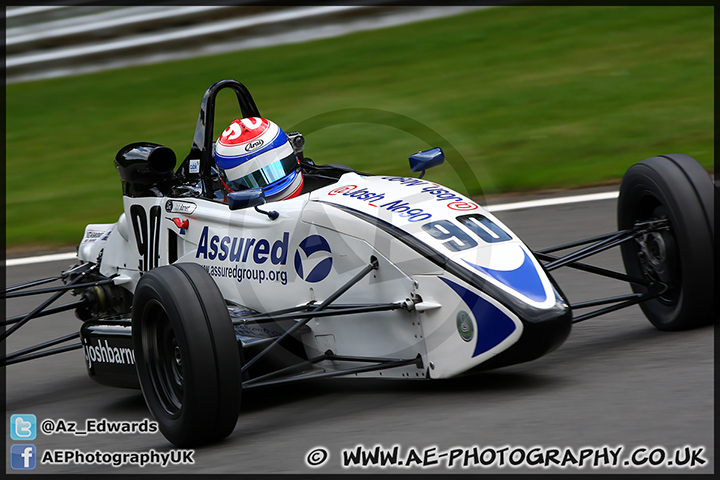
(237, 249)
(493, 326)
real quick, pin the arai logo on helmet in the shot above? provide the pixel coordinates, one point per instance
(253, 145)
(313, 260)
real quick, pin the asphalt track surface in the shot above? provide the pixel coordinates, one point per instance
(616, 382)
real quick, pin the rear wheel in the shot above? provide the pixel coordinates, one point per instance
(680, 259)
(187, 358)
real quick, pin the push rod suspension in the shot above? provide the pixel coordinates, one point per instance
(337, 373)
(610, 242)
(596, 270)
(69, 286)
(320, 358)
(44, 353)
(633, 300)
(600, 243)
(605, 301)
(39, 309)
(30, 284)
(373, 265)
(48, 311)
(314, 314)
(577, 243)
(19, 355)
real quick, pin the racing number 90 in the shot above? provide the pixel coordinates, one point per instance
(148, 245)
(458, 240)
(446, 230)
(484, 228)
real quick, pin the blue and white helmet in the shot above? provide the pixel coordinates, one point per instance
(255, 153)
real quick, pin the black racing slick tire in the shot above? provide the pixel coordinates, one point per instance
(186, 354)
(680, 258)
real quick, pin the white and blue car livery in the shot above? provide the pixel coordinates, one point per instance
(507, 308)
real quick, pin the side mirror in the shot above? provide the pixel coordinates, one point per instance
(421, 161)
(246, 198)
(250, 198)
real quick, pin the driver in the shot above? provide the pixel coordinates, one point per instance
(255, 153)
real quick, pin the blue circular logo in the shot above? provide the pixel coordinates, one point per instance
(309, 258)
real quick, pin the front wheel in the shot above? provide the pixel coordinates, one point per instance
(187, 358)
(680, 258)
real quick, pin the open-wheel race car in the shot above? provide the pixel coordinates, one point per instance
(197, 293)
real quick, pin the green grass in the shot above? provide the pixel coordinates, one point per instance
(520, 98)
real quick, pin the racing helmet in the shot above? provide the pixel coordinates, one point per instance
(254, 152)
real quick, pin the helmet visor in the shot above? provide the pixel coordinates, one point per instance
(265, 176)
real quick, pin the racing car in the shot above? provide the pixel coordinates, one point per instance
(195, 297)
